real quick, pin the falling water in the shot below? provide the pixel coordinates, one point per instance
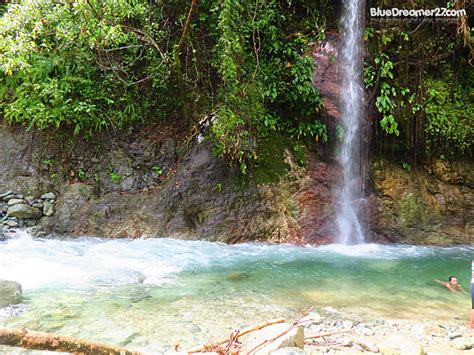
(350, 190)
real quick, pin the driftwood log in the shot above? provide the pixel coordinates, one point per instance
(29, 339)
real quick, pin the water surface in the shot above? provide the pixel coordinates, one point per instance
(150, 294)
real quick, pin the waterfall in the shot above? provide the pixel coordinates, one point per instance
(349, 194)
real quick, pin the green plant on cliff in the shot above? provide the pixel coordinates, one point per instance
(73, 64)
(266, 78)
(449, 108)
(419, 79)
(90, 65)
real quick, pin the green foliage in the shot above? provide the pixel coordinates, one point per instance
(81, 174)
(115, 177)
(73, 64)
(266, 78)
(386, 102)
(157, 170)
(89, 65)
(419, 79)
(449, 108)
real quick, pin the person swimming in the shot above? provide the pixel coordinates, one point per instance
(453, 285)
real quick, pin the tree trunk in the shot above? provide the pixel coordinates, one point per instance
(28, 339)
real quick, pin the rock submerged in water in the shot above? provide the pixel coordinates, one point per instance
(23, 211)
(10, 293)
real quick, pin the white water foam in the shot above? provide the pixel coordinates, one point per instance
(91, 262)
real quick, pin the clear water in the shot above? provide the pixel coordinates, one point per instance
(349, 193)
(150, 294)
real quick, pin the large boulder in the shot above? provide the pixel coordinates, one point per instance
(10, 293)
(23, 211)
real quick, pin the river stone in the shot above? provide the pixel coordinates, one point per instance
(347, 324)
(463, 343)
(426, 330)
(38, 205)
(9, 197)
(30, 199)
(293, 338)
(48, 196)
(453, 334)
(5, 194)
(10, 293)
(24, 211)
(11, 223)
(366, 345)
(400, 345)
(15, 201)
(48, 209)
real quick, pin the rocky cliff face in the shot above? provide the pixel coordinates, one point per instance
(196, 196)
(141, 182)
(433, 204)
(133, 186)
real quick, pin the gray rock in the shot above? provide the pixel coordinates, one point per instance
(15, 201)
(30, 199)
(65, 218)
(11, 223)
(31, 223)
(10, 293)
(48, 196)
(347, 324)
(366, 345)
(5, 194)
(9, 197)
(463, 343)
(454, 334)
(48, 209)
(38, 205)
(24, 211)
(426, 330)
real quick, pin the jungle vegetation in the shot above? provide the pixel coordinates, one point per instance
(243, 65)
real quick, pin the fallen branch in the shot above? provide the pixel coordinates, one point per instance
(302, 315)
(296, 322)
(29, 339)
(328, 334)
(240, 333)
(258, 346)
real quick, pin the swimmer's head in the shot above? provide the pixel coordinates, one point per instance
(453, 280)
